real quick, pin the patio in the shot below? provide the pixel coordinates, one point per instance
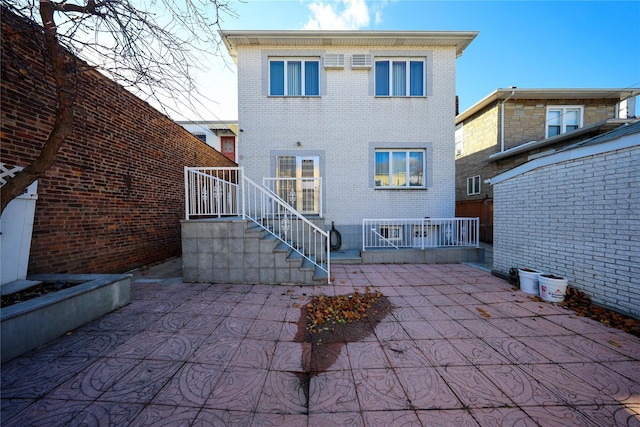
(460, 347)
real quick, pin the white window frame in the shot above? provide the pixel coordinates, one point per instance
(459, 140)
(303, 60)
(473, 185)
(563, 109)
(407, 179)
(407, 77)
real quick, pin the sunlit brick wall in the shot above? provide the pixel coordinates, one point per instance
(114, 198)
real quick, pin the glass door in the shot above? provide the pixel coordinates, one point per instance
(298, 182)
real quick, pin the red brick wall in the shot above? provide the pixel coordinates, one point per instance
(114, 198)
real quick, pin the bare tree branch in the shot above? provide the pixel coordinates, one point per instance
(152, 52)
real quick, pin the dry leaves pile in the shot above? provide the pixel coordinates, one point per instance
(323, 310)
(581, 303)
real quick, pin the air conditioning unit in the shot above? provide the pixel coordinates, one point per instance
(361, 60)
(334, 60)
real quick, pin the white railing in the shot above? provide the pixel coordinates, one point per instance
(216, 192)
(420, 233)
(304, 194)
(212, 192)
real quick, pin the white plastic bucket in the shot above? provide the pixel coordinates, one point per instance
(552, 288)
(529, 280)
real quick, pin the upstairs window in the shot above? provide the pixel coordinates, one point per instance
(563, 119)
(399, 168)
(294, 77)
(400, 77)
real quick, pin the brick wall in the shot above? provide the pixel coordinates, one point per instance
(578, 219)
(114, 198)
(344, 125)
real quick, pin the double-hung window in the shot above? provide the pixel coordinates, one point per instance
(400, 168)
(400, 77)
(563, 119)
(294, 77)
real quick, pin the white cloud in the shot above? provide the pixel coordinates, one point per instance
(338, 15)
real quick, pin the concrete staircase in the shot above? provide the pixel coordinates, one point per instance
(232, 250)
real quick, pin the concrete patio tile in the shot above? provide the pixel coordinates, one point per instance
(478, 352)
(264, 330)
(142, 382)
(366, 355)
(333, 419)
(220, 418)
(191, 386)
(447, 418)
(202, 324)
(441, 353)
(333, 391)
(481, 328)
(253, 354)
(407, 418)
(238, 389)
(570, 389)
(426, 390)
(473, 388)
(108, 413)
(282, 393)
(404, 354)
(216, 351)
(224, 355)
(503, 417)
(276, 420)
(516, 351)
(47, 412)
(420, 330)
(555, 351)
(380, 389)
(560, 415)
(521, 389)
(600, 377)
(166, 415)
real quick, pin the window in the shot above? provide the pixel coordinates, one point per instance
(294, 77)
(400, 77)
(201, 136)
(399, 168)
(563, 119)
(473, 185)
(459, 137)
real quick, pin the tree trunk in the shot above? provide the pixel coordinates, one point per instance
(63, 67)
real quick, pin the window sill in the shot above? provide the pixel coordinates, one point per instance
(293, 96)
(414, 188)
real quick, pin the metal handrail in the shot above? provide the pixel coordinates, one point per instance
(211, 191)
(420, 233)
(268, 182)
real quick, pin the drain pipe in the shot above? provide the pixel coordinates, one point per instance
(502, 118)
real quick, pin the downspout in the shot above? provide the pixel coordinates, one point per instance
(502, 118)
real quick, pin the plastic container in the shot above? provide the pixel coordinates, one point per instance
(529, 280)
(552, 288)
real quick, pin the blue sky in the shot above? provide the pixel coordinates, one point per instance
(528, 44)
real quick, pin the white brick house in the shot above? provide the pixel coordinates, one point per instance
(371, 113)
(576, 213)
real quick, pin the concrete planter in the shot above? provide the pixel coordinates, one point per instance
(31, 323)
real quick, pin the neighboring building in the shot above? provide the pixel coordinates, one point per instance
(365, 117)
(221, 135)
(575, 212)
(510, 125)
(114, 197)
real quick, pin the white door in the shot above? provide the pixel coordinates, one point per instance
(298, 182)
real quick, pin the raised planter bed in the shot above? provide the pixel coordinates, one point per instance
(31, 323)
